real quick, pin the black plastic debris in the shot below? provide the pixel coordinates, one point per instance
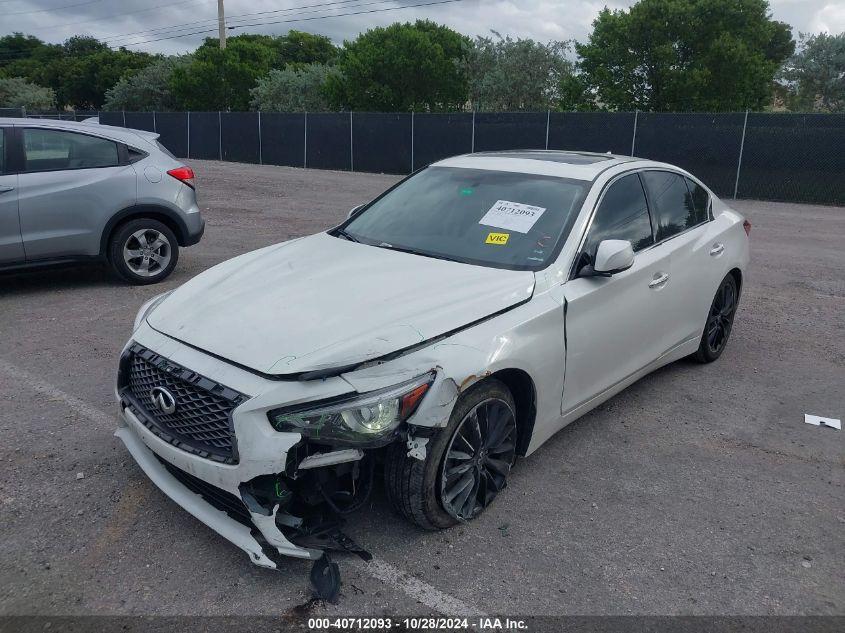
(325, 579)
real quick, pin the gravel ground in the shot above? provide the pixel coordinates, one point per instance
(698, 490)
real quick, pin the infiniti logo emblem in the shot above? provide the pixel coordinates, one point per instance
(163, 400)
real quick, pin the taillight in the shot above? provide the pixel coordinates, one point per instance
(747, 226)
(185, 174)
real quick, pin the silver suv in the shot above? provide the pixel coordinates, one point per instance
(72, 192)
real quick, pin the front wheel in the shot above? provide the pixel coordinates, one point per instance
(466, 465)
(720, 320)
(143, 251)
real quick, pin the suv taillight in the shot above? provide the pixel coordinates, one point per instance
(747, 226)
(185, 174)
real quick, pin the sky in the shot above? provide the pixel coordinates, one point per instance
(180, 25)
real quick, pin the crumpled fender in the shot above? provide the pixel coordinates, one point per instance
(529, 338)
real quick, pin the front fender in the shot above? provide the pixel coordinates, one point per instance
(529, 338)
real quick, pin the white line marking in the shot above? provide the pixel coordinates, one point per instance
(377, 569)
(54, 393)
(415, 588)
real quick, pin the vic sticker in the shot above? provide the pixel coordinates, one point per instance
(513, 216)
(497, 238)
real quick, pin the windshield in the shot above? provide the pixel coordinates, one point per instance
(492, 218)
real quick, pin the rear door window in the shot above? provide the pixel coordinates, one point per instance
(700, 199)
(672, 206)
(622, 215)
(50, 150)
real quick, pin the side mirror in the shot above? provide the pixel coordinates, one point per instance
(353, 210)
(613, 256)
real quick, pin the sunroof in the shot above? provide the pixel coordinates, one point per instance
(570, 158)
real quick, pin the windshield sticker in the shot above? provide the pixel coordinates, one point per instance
(497, 238)
(513, 216)
(466, 191)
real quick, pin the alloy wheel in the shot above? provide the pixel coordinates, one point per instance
(147, 252)
(478, 459)
(721, 317)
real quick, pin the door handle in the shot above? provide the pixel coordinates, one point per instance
(717, 249)
(5, 188)
(659, 280)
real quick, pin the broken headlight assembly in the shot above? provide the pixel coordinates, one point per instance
(364, 419)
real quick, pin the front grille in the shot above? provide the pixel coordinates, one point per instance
(217, 497)
(202, 421)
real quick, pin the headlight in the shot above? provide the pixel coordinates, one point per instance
(148, 308)
(369, 418)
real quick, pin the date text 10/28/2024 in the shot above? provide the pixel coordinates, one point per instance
(417, 624)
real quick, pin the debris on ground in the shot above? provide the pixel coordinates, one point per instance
(817, 420)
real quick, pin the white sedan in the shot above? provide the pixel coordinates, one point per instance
(452, 324)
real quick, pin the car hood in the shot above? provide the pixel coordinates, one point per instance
(322, 302)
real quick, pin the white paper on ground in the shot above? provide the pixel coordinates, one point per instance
(820, 421)
(513, 216)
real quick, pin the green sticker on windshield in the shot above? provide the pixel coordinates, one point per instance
(467, 191)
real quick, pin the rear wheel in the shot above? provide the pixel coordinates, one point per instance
(720, 319)
(143, 251)
(466, 465)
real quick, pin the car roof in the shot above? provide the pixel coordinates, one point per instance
(561, 163)
(125, 135)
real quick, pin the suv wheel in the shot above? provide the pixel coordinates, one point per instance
(466, 465)
(143, 251)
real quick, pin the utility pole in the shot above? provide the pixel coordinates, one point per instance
(221, 24)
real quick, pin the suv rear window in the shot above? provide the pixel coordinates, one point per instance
(48, 150)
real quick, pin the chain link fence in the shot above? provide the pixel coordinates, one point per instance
(767, 156)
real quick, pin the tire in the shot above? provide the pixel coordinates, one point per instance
(417, 489)
(719, 323)
(156, 248)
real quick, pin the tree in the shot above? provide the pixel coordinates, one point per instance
(294, 47)
(148, 89)
(400, 68)
(17, 46)
(88, 68)
(302, 48)
(79, 71)
(816, 74)
(16, 92)
(512, 75)
(294, 89)
(221, 79)
(685, 55)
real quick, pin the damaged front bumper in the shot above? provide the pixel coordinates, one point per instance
(274, 493)
(175, 473)
(218, 520)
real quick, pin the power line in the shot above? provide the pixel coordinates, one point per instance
(265, 23)
(195, 24)
(51, 9)
(117, 15)
(237, 21)
(337, 15)
(23, 54)
(316, 17)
